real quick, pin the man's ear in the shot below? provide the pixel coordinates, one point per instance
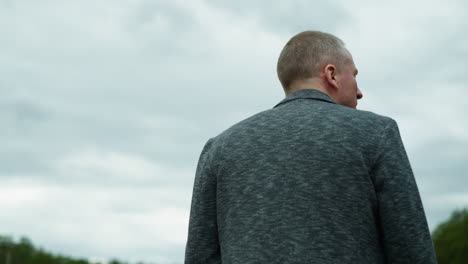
(330, 73)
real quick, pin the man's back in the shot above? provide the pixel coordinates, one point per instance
(309, 181)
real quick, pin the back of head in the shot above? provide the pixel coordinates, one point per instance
(306, 53)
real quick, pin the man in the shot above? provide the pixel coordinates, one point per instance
(312, 180)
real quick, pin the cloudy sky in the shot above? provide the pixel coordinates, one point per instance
(105, 106)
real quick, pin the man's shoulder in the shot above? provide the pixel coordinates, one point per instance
(249, 121)
(363, 122)
(370, 117)
(337, 112)
(349, 117)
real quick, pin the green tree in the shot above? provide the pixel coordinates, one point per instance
(24, 252)
(116, 261)
(6, 247)
(451, 239)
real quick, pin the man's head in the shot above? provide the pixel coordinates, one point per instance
(318, 60)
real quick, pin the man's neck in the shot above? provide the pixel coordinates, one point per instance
(311, 83)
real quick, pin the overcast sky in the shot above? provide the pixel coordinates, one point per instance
(106, 105)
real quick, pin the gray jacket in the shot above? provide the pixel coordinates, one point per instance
(308, 181)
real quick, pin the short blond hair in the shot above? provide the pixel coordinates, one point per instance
(306, 53)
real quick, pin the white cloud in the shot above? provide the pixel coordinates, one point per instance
(106, 221)
(453, 200)
(95, 166)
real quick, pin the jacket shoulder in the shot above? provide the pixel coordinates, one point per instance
(352, 118)
(371, 117)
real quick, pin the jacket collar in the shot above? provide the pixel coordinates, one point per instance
(307, 94)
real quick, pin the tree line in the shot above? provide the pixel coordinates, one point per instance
(451, 239)
(24, 252)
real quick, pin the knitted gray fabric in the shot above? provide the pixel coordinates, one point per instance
(308, 181)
